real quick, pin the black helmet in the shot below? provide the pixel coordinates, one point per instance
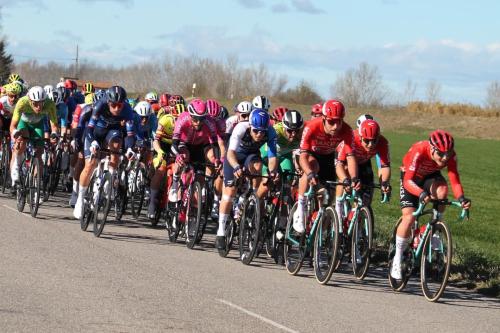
(293, 120)
(116, 94)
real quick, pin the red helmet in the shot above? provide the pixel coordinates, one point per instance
(279, 113)
(164, 99)
(317, 109)
(333, 109)
(70, 84)
(441, 140)
(369, 129)
(213, 108)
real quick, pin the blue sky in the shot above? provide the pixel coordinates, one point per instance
(451, 42)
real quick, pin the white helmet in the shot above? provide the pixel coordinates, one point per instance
(37, 94)
(362, 118)
(151, 96)
(143, 109)
(60, 84)
(261, 102)
(244, 107)
(48, 89)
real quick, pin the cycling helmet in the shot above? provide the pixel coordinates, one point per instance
(143, 109)
(261, 102)
(333, 109)
(55, 97)
(279, 112)
(223, 113)
(63, 93)
(362, 118)
(164, 99)
(132, 102)
(317, 109)
(197, 108)
(13, 88)
(48, 89)
(293, 120)
(70, 84)
(151, 97)
(116, 94)
(244, 107)
(14, 77)
(259, 119)
(37, 94)
(441, 140)
(88, 88)
(60, 84)
(176, 99)
(369, 129)
(99, 94)
(213, 108)
(177, 110)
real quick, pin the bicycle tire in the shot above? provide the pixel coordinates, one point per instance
(55, 172)
(88, 205)
(120, 197)
(250, 229)
(21, 188)
(362, 242)
(326, 240)
(46, 176)
(294, 253)
(231, 229)
(407, 263)
(5, 165)
(193, 215)
(103, 203)
(137, 195)
(34, 186)
(436, 261)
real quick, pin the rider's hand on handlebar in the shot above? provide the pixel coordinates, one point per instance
(385, 187)
(465, 202)
(94, 147)
(312, 178)
(275, 176)
(424, 197)
(356, 184)
(180, 160)
(130, 154)
(238, 171)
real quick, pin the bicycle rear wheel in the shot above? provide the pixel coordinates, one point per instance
(436, 261)
(5, 165)
(35, 180)
(55, 172)
(22, 186)
(295, 246)
(138, 188)
(193, 215)
(230, 231)
(250, 232)
(88, 205)
(362, 238)
(326, 243)
(102, 203)
(407, 263)
(120, 197)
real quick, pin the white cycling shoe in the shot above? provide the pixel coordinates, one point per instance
(78, 211)
(298, 222)
(396, 270)
(172, 195)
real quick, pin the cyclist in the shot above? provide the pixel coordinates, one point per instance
(316, 110)
(367, 142)
(146, 128)
(7, 104)
(242, 111)
(224, 113)
(261, 102)
(132, 102)
(152, 98)
(14, 77)
(319, 141)
(243, 155)
(27, 123)
(421, 181)
(88, 88)
(48, 89)
(110, 116)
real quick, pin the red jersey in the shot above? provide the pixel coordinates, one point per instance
(317, 141)
(418, 163)
(362, 155)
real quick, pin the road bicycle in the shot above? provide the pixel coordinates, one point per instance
(30, 179)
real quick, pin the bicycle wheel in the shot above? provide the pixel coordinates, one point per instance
(137, 191)
(230, 231)
(22, 185)
(407, 263)
(270, 240)
(294, 247)
(88, 205)
(102, 203)
(47, 171)
(5, 165)
(250, 232)
(35, 180)
(326, 243)
(362, 239)
(172, 221)
(120, 197)
(193, 218)
(436, 261)
(55, 172)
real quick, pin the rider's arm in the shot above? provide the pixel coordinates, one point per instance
(454, 178)
(234, 142)
(384, 162)
(410, 173)
(305, 150)
(272, 150)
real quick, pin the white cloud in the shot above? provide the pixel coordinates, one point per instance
(306, 6)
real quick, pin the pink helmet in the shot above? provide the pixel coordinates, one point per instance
(213, 108)
(197, 108)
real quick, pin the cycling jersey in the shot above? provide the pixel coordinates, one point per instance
(5, 108)
(23, 111)
(62, 114)
(185, 132)
(362, 155)
(220, 125)
(72, 103)
(148, 130)
(165, 129)
(231, 122)
(284, 146)
(77, 114)
(418, 163)
(242, 143)
(315, 140)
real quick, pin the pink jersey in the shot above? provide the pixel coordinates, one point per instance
(220, 124)
(185, 132)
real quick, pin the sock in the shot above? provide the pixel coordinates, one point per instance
(76, 184)
(222, 224)
(401, 244)
(81, 192)
(301, 205)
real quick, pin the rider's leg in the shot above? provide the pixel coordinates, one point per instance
(17, 152)
(156, 182)
(298, 217)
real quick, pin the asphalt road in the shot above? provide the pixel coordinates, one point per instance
(56, 278)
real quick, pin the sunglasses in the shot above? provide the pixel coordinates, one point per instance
(244, 115)
(258, 131)
(197, 119)
(332, 122)
(116, 105)
(372, 141)
(12, 96)
(38, 104)
(290, 131)
(442, 154)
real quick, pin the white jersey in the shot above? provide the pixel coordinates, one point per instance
(6, 109)
(231, 122)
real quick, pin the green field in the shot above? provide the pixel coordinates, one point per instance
(477, 241)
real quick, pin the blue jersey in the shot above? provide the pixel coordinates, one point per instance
(242, 142)
(71, 103)
(62, 114)
(148, 130)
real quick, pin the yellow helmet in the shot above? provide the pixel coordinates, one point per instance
(178, 109)
(88, 88)
(13, 88)
(14, 77)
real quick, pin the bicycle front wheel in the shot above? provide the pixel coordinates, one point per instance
(35, 180)
(295, 246)
(137, 189)
(5, 165)
(249, 229)
(326, 244)
(436, 261)
(88, 205)
(194, 215)
(361, 243)
(102, 203)
(22, 186)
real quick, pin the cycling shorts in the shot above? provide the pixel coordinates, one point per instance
(406, 199)
(5, 123)
(103, 136)
(36, 132)
(244, 160)
(326, 166)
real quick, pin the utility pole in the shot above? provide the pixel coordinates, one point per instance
(75, 71)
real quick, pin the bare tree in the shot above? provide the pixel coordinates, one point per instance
(362, 86)
(433, 91)
(409, 92)
(493, 95)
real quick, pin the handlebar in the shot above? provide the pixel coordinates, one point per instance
(463, 214)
